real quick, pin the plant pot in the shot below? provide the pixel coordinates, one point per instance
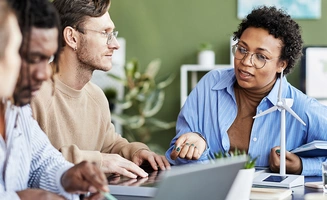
(241, 188)
(206, 58)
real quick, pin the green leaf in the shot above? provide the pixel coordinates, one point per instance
(251, 162)
(131, 68)
(143, 98)
(205, 46)
(153, 68)
(117, 78)
(153, 103)
(167, 81)
(161, 124)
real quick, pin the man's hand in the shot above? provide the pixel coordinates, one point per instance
(32, 194)
(115, 164)
(152, 158)
(189, 146)
(84, 177)
(293, 162)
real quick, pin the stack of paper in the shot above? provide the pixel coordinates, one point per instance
(270, 193)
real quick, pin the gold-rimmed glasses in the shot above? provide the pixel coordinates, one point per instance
(109, 36)
(257, 60)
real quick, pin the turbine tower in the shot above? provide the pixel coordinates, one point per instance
(282, 105)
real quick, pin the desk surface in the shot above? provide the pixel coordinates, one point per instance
(298, 192)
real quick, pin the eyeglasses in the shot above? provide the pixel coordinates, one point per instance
(109, 36)
(257, 60)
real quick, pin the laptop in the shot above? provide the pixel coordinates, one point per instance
(210, 180)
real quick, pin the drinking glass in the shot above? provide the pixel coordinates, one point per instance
(324, 176)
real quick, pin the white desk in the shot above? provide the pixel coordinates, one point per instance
(298, 192)
(194, 77)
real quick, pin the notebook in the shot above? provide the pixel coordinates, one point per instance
(211, 180)
(313, 149)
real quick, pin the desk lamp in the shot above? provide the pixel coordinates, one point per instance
(281, 180)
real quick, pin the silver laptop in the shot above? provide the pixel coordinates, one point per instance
(194, 181)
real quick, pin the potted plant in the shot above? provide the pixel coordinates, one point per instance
(143, 98)
(241, 188)
(206, 55)
(111, 95)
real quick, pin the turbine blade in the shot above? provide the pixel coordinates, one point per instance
(272, 109)
(293, 113)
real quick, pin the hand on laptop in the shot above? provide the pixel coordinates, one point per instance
(152, 158)
(189, 146)
(115, 164)
(123, 181)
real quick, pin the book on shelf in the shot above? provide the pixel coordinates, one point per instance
(312, 149)
(265, 193)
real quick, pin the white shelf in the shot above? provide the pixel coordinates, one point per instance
(194, 77)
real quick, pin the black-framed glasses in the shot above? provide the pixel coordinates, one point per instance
(257, 60)
(110, 36)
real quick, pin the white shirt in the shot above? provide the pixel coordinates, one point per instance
(27, 158)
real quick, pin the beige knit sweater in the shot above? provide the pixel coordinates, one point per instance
(78, 123)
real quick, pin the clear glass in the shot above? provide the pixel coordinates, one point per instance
(109, 36)
(257, 60)
(324, 176)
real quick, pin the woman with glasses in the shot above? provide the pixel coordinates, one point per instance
(218, 114)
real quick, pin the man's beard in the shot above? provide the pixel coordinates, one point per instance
(86, 61)
(22, 96)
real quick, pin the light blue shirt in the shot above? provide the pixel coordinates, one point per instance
(211, 108)
(27, 158)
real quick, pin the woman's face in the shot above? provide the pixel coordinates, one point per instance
(259, 41)
(10, 63)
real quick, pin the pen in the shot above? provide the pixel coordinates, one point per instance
(108, 196)
(278, 151)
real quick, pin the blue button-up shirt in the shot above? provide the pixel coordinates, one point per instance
(211, 108)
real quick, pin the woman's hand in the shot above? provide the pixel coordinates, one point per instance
(189, 146)
(293, 162)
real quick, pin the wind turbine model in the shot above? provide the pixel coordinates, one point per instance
(282, 180)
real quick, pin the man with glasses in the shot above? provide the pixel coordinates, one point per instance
(218, 114)
(110, 36)
(77, 117)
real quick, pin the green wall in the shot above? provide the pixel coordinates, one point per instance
(173, 30)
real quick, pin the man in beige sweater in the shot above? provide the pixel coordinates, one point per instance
(76, 117)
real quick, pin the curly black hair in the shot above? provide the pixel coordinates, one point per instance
(279, 24)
